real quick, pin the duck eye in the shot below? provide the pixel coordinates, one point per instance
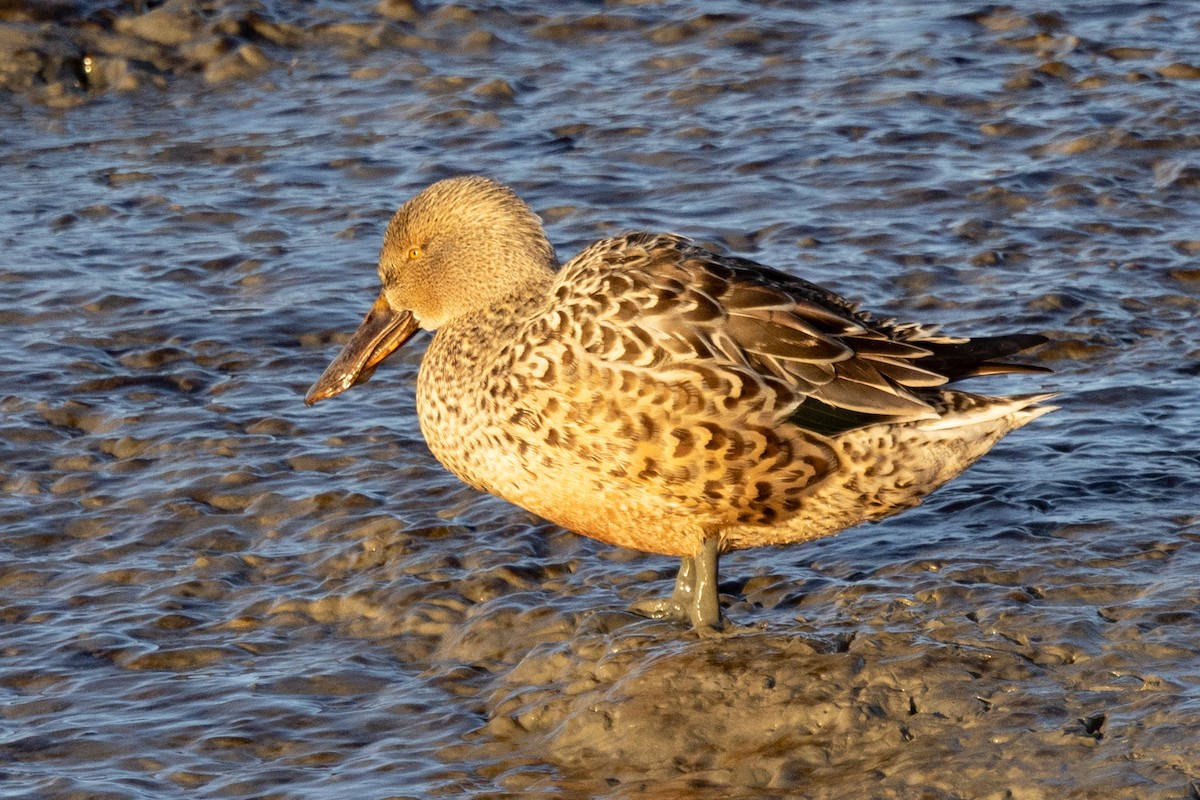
(414, 253)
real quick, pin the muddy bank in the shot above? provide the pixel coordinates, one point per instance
(63, 53)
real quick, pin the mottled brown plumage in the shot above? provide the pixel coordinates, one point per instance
(655, 395)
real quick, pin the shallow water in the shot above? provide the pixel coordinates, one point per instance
(209, 590)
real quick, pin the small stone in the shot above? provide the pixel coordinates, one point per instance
(496, 90)
(169, 25)
(280, 33)
(247, 61)
(1129, 53)
(1180, 71)
(1056, 69)
(399, 10)
(477, 40)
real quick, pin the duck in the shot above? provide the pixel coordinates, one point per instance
(654, 394)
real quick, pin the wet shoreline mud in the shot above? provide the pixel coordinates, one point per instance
(209, 590)
(60, 53)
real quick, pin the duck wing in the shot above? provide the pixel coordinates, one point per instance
(660, 301)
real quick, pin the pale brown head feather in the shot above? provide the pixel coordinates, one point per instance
(460, 245)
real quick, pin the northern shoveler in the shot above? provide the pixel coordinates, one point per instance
(655, 395)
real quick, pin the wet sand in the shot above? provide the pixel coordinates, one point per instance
(209, 590)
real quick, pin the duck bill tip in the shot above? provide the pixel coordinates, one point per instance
(382, 331)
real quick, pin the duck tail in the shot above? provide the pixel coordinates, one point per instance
(1017, 410)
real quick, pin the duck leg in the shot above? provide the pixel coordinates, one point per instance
(676, 606)
(705, 609)
(695, 598)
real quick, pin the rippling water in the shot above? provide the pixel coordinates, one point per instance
(209, 590)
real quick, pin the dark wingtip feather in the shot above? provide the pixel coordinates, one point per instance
(975, 357)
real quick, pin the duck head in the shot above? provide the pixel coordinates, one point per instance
(457, 247)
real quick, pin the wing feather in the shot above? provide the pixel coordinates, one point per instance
(844, 367)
